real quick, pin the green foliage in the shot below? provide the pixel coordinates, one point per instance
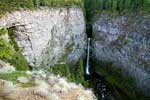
(19, 61)
(75, 75)
(62, 69)
(13, 57)
(146, 7)
(79, 74)
(6, 51)
(3, 31)
(13, 76)
(12, 5)
(93, 7)
(31, 83)
(59, 3)
(10, 51)
(121, 86)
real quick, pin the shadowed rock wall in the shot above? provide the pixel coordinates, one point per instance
(125, 41)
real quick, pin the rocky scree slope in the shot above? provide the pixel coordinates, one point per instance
(37, 85)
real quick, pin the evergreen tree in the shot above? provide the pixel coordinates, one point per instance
(118, 5)
(104, 4)
(35, 3)
(79, 75)
(111, 4)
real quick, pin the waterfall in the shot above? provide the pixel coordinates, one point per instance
(87, 62)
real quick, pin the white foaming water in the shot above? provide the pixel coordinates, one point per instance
(87, 62)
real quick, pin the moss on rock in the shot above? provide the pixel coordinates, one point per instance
(121, 86)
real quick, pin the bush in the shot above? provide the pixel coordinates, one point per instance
(60, 3)
(62, 69)
(72, 74)
(79, 74)
(7, 53)
(12, 5)
(3, 31)
(13, 76)
(6, 50)
(16, 58)
(93, 7)
(19, 61)
(121, 85)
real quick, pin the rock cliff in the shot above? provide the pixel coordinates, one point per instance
(125, 42)
(49, 35)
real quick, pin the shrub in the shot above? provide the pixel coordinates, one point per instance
(72, 74)
(3, 31)
(6, 50)
(79, 74)
(12, 5)
(19, 61)
(93, 7)
(13, 76)
(16, 59)
(62, 69)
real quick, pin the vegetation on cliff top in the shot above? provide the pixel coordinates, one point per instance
(94, 7)
(12, 5)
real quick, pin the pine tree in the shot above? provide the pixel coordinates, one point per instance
(67, 72)
(35, 2)
(79, 75)
(118, 5)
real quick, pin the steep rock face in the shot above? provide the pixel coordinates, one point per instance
(49, 35)
(125, 41)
